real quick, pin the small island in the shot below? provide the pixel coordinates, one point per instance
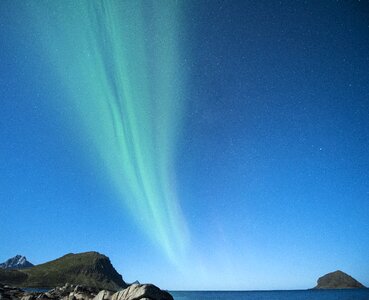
(338, 280)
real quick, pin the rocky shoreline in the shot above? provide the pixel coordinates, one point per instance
(80, 292)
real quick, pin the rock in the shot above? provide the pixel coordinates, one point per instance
(104, 295)
(85, 290)
(73, 292)
(338, 280)
(7, 292)
(43, 296)
(80, 292)
(28, 297)
(142, 291)
(80, 296)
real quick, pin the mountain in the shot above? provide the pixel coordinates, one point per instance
(338, 280)
(16, 262)
(90, 269)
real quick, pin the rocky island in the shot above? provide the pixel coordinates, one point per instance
(82, 276)
(338, 280)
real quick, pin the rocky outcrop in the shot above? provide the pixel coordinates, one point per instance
(16, 262)
(104, 295)
(7, 292)
(142, 291)
(79, 292)
(72, 292)
(338, 280)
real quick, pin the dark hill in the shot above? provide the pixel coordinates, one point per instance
(338, 280)
(12, 277)
(90, 269)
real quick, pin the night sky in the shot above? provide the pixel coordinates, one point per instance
(198, 144)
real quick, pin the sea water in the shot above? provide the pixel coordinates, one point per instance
(346, 294)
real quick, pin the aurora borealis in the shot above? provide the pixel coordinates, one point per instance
(199, 144)
(118, 62)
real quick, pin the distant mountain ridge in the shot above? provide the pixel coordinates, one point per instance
(338, 280)
(90, 269)
(16, 262)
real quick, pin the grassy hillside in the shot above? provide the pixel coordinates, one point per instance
(90, 269)
(12, 277)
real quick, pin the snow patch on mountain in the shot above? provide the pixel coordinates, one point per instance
(16, 262)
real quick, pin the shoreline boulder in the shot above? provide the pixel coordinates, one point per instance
(142, 291)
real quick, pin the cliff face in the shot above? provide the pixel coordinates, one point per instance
(90, 269)
(338, 280)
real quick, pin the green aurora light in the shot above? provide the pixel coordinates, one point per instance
(119, 63)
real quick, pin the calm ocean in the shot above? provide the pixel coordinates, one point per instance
(354, 294)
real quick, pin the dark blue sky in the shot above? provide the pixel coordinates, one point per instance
(271, 163)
